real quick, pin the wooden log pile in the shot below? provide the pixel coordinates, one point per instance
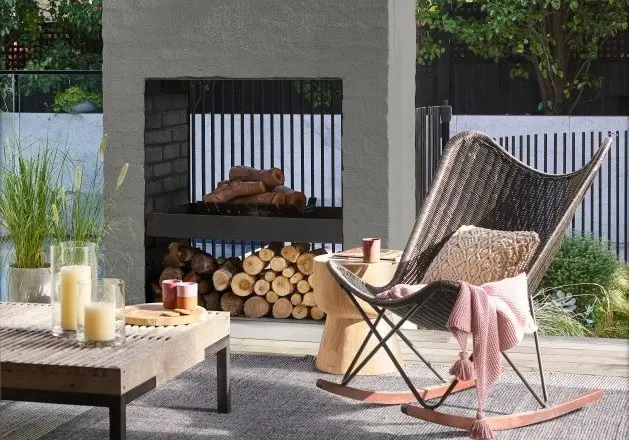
(273, 281)
(250, 185)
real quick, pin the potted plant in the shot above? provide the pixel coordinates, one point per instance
(29, 188)
(76, 99)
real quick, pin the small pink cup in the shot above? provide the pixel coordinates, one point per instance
(371, 250)
(187, 293)
(169, 293)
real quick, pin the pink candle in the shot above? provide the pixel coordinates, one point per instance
(187, 295)
(371, 250)
(169, 293)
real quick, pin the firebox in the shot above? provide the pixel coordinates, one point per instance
(201, 136)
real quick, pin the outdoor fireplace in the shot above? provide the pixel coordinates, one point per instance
(189, 93)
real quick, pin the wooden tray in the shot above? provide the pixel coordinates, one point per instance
(150, 314)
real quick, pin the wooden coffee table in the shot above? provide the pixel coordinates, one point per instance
(38, 367)
(344, 329)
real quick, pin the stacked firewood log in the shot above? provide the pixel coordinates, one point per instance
(276, 280)
(262, 187)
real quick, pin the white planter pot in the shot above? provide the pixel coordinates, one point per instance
(84, 107)
(28, 285)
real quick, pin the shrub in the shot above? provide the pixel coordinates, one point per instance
(589, 261)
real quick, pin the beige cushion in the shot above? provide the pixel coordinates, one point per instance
(479, 255)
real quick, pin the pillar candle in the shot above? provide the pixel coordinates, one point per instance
(187, 295)
(100, 321)
(69, 294)
(169, 293)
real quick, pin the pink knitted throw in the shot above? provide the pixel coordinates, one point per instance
(496, 315)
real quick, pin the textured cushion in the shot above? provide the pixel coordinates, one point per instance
(479, 255)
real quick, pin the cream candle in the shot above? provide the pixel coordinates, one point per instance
(100, 321)
(71, 299)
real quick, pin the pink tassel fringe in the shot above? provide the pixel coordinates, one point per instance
(463, 369)
(480, 429)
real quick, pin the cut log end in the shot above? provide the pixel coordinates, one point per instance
(232, 303)
(253, 265)
(300, 311)
(256, 307)
(278, 264)
(282, 308)
(303, 286)
(316, 313)
(309, 299)
(242, 284)
(203, 264)
(292, 252)
(171, 273)
(295, 299)
(288, 272)
(282, 286)
(271, 297)
(269, 275)
(297, 278)
(272, 250)
(261, 287)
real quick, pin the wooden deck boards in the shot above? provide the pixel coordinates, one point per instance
(604, 357)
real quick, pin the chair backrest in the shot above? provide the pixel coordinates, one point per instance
(479, 183)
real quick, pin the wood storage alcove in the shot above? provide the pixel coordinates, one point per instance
(251, 286)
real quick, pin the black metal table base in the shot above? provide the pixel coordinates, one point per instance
(118, 404)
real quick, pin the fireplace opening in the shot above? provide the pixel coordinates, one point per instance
(197, 135)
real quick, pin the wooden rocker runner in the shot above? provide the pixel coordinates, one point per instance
(491, 189)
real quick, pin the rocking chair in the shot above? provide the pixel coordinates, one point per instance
(478, 183)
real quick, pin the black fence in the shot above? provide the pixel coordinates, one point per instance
(294, 125)
(604, 211)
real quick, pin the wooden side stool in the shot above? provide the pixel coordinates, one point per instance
(344, 329)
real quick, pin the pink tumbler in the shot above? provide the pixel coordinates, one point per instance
(371, 250)
(169, 293)
(187, 295)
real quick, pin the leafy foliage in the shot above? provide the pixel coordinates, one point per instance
(558, 39)
(591, 270)
(77, 22)
(78, 46)
(29, 188)
(35, 207)
(66, 100)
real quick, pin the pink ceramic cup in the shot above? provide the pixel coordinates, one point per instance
(371, 250)
(187, 293)
(169, 293)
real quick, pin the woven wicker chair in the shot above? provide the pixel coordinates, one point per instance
(477, 183)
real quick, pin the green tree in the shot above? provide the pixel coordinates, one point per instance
(77, 24)
(558, 39)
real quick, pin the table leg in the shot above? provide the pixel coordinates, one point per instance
(222, 380)
(118, 420)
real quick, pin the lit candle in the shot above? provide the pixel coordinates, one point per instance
(100, 321)
(72, 299)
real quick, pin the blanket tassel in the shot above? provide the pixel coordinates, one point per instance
(480, 429)
(463, 369)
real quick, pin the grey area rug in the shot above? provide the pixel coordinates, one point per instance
(275, 398)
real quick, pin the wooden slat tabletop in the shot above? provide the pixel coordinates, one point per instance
(31, 358)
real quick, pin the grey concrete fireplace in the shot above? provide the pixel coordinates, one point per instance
(156, 51)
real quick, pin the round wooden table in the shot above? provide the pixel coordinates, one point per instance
(345, 329)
